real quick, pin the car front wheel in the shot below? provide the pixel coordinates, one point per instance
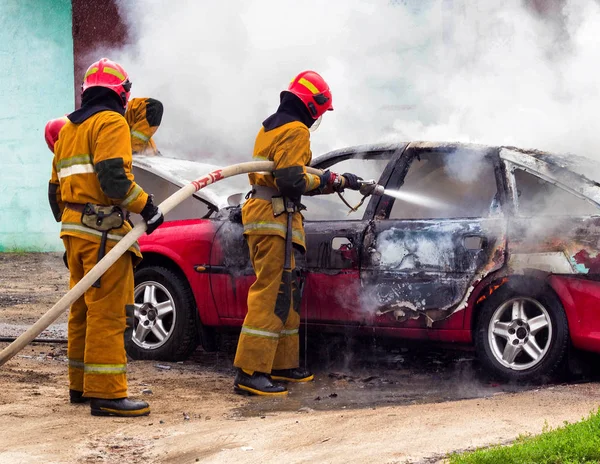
(164, 325)
(522, 335)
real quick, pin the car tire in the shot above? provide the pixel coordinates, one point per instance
(522, 333)
(164, 322)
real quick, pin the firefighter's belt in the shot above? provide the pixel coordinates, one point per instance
(101, 218)
(262, 192)
(279, 203)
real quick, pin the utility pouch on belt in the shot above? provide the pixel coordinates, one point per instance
(278, 204)
(102, 218)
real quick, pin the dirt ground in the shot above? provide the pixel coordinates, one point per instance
(415, 410)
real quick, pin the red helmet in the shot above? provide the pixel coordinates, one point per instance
(52, 129)
(314, 92)
(107, 73)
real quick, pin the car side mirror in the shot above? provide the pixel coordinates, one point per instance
(341, 244)
(474, 242)
(345, 248)
(235, 199)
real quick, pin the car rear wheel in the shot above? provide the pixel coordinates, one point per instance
(164, 326)
(522, 335)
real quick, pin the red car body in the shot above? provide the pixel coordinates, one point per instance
(187, 244)
(462, 264)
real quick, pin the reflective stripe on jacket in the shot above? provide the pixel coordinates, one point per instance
(143, 115)
(92, 164)
(288, 146)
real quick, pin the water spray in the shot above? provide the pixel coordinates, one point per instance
(370, 187)
(416, 199)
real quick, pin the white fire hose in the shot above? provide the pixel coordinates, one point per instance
(123, 245)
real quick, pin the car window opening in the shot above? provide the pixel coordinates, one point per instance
(537, 197)
(448, 185)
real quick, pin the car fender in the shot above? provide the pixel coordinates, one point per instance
(187, 247)
(490, 284)
(581, 299)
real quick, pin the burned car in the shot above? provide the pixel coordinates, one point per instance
(470, 244)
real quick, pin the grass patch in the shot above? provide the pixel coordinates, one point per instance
(22, 251)
(577, 443)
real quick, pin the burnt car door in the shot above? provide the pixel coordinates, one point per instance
(555, 226)
(330, 269)
(231, 273)
(334, 234)
(439, 231)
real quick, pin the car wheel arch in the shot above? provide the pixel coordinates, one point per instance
(206, 336)
(533, 283)
(158, 259)
(531, 289)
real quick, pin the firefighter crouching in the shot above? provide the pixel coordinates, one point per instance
(268, 348)
(91, 191)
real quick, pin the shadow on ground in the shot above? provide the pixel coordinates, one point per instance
(368, 373)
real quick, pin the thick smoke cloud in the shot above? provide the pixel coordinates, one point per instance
(399, 70)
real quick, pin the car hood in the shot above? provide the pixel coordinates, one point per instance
(181, 172)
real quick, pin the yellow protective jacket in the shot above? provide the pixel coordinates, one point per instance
(288, 146)
(92, 164)
(143, 115)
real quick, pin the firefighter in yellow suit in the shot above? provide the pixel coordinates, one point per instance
(268, 348)
(144, 115)
(90, 192)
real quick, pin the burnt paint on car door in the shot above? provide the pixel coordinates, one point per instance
(329, 269)
(446, 231)
(335, 242)
(231, 273)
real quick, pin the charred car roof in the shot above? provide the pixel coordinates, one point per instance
(572, 172)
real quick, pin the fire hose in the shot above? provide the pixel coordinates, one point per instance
(123, 245)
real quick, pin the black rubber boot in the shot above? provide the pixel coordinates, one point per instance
(257, 384)
(76, 397)
(292, 375)
(123, 407)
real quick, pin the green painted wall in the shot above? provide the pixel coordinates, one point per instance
(36, 84)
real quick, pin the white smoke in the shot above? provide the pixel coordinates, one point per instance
(450, 70)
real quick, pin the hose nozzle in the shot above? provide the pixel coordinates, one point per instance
(370, 187)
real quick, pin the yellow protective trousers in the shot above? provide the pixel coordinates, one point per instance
(269, 338)
(96, 348)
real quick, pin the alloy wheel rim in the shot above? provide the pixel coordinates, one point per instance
(520, 333)
(154, 315)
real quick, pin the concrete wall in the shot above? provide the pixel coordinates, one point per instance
(36, 84)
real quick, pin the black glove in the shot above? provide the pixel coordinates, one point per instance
(324, 180)
(152, 215)
(351, 181)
